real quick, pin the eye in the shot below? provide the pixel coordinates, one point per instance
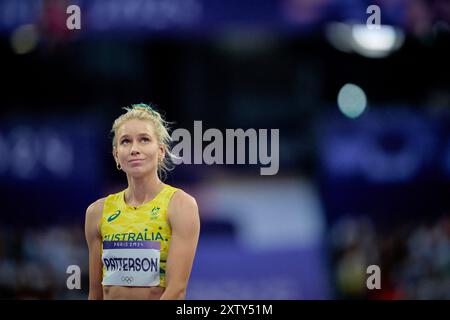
(124, 141)
(144, 139)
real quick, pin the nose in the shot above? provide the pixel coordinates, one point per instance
(134, 149)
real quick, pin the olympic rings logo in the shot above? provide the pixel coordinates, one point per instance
(127, 279)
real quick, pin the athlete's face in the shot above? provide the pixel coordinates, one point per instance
(137, 148)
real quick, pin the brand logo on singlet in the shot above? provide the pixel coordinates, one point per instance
(154, 212)
(114, 216)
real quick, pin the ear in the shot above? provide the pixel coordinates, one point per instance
(162, 151)
(115, 156)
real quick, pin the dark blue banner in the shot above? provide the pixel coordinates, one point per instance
(137, 17)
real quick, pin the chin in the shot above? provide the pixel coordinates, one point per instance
(138, 172)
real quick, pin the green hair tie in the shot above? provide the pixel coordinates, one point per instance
(145, 106)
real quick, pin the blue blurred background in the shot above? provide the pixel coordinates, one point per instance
(363, 115)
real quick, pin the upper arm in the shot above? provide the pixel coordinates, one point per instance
(94, 242)
(184, 219)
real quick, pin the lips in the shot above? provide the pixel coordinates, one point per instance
(135, 161)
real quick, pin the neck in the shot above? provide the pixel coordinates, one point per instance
(142, 190)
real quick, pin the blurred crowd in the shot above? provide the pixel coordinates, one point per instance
(34, 262)
(414, 259)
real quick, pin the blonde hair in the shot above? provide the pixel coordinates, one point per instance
(144, 111)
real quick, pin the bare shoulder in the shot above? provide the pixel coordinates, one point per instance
(92, 221)
(182, 204)
(94, 213)
(184, 199)
(96, 207)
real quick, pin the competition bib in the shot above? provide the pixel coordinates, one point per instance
(131, 263)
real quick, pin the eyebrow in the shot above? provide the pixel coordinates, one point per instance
(139, 134)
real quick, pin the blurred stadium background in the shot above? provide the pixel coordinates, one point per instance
(364, 139)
